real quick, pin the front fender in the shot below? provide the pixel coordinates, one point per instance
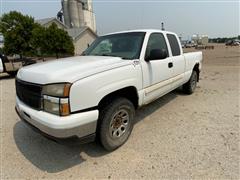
(88, 92)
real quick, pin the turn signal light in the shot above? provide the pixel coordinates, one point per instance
(64, 109)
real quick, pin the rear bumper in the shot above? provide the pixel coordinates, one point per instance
(75, 126)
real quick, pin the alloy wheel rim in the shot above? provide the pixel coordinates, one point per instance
(119, 124)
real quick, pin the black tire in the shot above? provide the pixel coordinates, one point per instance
(114, 130)
(191, 85)
(12, 73)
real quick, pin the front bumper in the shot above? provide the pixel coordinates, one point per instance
(78, 125)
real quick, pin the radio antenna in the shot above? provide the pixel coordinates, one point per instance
(163, 29)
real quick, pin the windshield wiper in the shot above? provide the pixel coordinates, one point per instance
(109, 55)
(113, 56)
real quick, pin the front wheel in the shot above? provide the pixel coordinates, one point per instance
(191, 85)
(116, 123)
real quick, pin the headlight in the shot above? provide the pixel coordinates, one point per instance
(58, 106)
(59, 90)
(51, 105)
(56, 99)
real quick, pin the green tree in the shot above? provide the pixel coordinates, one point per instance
(17, 31)
(38, 40)
(57, 41)
(23, 36)
(223, 40)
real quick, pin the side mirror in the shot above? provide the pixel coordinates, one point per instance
(156, 54)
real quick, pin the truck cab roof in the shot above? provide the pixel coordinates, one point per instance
(142, 30)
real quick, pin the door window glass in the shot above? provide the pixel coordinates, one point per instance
(156, 41)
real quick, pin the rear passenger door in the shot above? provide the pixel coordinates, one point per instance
(177, 60)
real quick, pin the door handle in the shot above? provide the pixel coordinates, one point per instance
(170, 65)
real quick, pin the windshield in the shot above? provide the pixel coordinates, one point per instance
(124, 45)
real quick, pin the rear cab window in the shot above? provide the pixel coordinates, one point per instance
(175, 47)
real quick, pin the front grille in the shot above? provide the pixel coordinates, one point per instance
(29, 93)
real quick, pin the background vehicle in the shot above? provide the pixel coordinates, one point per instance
(98, 93)
(11, 66)
(235, 42)
(190, 44)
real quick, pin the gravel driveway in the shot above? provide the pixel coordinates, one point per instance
(177, 136)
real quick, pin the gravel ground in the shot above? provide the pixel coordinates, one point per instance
(177, 136)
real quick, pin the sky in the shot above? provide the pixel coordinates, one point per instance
(215, 18)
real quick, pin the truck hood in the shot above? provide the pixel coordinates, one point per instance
(69, 69)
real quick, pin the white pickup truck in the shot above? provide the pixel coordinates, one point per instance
(96, 94)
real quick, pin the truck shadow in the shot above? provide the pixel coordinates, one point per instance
(52, 157)
(48, 155)
(6, 77)
(155, 105)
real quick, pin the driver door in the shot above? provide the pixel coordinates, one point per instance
(156, 73)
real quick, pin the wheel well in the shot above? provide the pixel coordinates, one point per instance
(129, 92)
(196, 68)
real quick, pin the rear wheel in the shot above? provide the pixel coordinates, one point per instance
(116, 123)
(191, 85)
(12, 73)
